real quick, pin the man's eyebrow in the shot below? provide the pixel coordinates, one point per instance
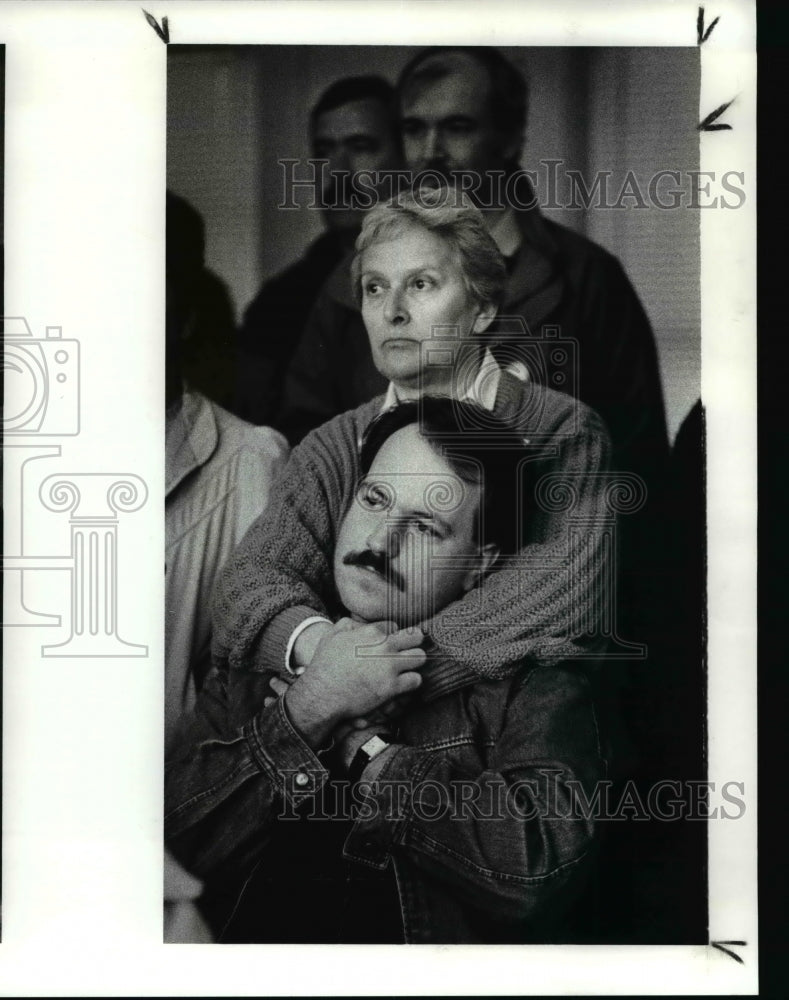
(448, 120)
(429, 515)
(465, 119)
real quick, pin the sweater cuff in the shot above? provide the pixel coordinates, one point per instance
(294, 636)
(271, 645)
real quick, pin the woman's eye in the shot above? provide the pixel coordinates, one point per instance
(421, 283)
(372, 288)
(426, 528)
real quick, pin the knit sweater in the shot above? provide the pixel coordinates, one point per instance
(546, 603)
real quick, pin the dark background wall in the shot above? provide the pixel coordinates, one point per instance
(234, 111)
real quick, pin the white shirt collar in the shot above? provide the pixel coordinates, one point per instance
(482, 390)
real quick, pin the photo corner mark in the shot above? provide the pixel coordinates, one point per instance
(703, 35)
(726, 948)
(163, 30)
(711, 123)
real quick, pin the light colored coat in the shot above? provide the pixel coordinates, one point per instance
(219, 474)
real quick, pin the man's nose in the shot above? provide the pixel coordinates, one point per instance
(395, 310)
(432, 146)
(385, 537)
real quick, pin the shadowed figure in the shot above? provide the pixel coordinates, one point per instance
(352, 127)
(219, 471)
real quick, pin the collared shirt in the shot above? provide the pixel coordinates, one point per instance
(481, 390)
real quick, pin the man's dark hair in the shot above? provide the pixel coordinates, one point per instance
(184, 243)
(479, 447)
(354, 88)
(509, 95)
(199, 301)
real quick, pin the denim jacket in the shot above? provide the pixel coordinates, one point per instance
(480, 808)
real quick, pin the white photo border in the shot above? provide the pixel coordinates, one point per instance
(84, 238)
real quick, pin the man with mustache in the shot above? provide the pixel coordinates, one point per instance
(463, 117)
(446, 819)
(428, 276)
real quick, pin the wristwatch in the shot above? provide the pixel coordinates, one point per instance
(367, 752)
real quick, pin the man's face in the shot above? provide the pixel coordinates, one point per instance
(412, 285)
(446, 124)
(354, 137)
(406, 546)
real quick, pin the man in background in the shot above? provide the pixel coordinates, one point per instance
(353, 128)
(463, 114)
(219, 471)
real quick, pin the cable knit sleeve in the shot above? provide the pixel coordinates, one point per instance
(281, 573)
(550, 601)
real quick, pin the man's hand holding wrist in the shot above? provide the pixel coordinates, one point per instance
(355, 669)
(309, 716)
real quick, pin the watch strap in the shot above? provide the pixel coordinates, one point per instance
(366, 753)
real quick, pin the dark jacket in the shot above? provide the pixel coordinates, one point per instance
(273, 325)
(483, 809)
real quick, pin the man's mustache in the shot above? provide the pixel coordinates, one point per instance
(377, 561)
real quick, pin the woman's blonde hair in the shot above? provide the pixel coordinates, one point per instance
(450, 214)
